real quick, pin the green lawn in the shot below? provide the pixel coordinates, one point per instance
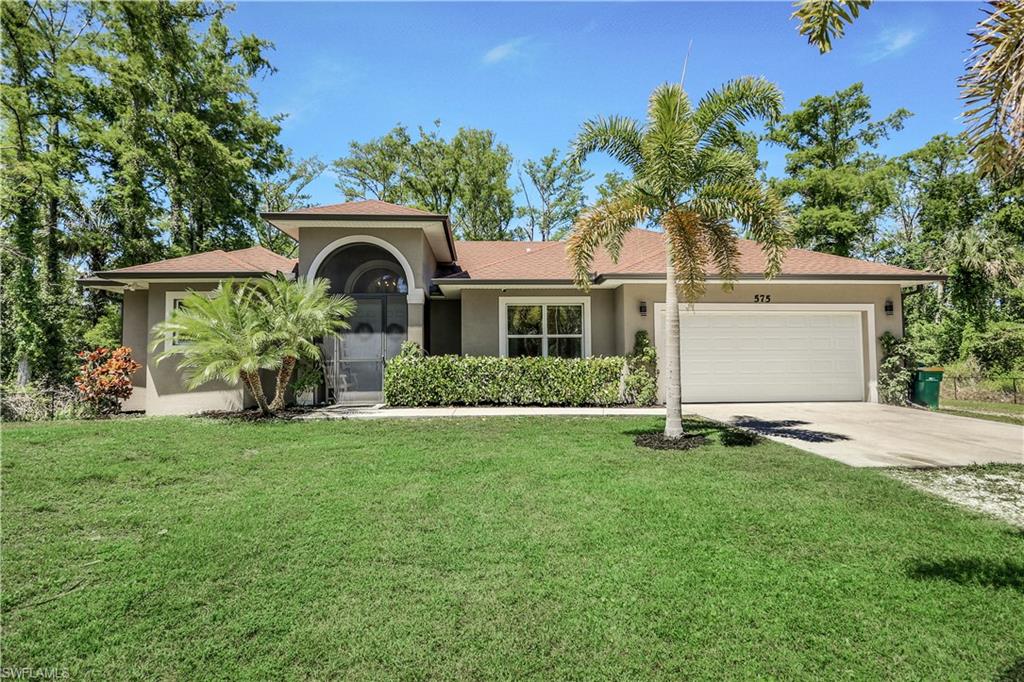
(1009, 413)
(485, 548)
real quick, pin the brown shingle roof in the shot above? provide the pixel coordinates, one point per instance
(643, 253)
(369, 207)
(252, 261)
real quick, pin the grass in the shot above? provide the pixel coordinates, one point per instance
(1008, 413)
(485, 548)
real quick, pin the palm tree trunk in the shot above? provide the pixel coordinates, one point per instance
(252, 380)
(673, 385)
(284, 377)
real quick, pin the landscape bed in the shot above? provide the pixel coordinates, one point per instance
(486, 548)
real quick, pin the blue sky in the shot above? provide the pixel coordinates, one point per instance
(533, 72)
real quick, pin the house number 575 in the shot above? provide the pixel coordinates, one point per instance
(762, 298)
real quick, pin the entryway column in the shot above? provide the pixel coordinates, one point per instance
(416, 317)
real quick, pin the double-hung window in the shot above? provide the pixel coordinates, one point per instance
(548, 328)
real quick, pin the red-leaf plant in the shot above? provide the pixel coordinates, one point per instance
(105, 377)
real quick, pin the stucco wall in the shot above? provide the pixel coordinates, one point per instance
(445, 327)
(480, 318)
(135, 335)
(165, 386)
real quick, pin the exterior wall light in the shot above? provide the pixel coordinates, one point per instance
(888, 306)
(643, 308)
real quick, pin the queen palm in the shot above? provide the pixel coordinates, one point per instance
(297, 312)
(220, 336)
(694, 174)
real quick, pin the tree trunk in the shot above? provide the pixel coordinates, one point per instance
(24, 372)
(252, 380)
(673, 383)
(284, 377)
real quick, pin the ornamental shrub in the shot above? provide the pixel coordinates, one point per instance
(641, 382)
(895, 373)
(413, 379)
(105, 378)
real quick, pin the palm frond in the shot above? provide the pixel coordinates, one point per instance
(618, 136)
(606, 224)
(689, 251)
(822, 21)
(993, 90)
(722, 110)
(724, 250)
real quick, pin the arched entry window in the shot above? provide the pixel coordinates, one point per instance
(377, 277)
(354, 360)
(363, 269)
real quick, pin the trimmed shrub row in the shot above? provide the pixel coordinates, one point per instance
(412, 379)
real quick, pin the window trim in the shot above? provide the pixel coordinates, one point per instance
(505, 301)
(169, 298)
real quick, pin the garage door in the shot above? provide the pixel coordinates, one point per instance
(754, 356)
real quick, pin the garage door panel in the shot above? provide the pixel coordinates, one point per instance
(771, 356)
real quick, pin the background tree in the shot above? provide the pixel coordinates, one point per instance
(557, 186)
(838, 190)
(466, 177)
(131, 132)
(992, 86)
(692, 175)
(285, 191)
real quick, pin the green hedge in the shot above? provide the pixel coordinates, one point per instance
(412, 379)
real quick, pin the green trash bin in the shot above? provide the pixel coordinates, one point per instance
(927, 381)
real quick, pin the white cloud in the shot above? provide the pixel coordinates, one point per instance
(891, 42)
(505, 51)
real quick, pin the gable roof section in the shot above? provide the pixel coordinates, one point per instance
(643, 256)
(357, 209)
(435, 225)
(250, 262)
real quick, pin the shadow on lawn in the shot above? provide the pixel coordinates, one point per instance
(786, 429)
(729, 436)
(1015, 673)
(1007, 573)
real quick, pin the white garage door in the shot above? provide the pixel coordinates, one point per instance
(754, 356)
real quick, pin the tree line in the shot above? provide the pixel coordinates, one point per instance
(132, 132)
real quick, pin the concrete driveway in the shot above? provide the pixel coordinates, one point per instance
(871, 435)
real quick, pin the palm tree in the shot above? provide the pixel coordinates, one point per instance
(297, 312)
(693, 174)
(222, 336)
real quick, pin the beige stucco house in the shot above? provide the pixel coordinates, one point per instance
(809, 334)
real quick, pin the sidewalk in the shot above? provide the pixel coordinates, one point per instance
(383, 412)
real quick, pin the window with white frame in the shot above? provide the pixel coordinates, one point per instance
(545, 328)
(174, 300)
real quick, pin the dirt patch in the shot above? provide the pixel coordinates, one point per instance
(254, 415)
(658, 441)
(996, 489)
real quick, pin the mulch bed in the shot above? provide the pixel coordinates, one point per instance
(254, 415)
(658, 441)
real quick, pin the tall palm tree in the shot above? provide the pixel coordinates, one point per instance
(693, 174)
(222, 336)
(297, 312)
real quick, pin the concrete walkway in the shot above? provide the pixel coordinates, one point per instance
(871, 435)
(382, 412)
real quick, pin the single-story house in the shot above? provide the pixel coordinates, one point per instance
(809, 334)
